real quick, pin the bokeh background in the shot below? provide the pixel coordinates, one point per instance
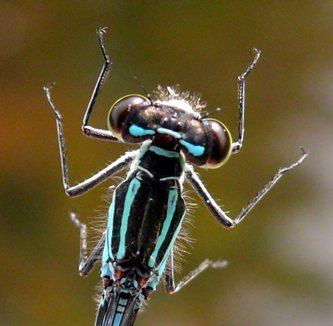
(281, 256)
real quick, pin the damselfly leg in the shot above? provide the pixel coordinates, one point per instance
(217, 211)
(86, 262)
(236, 146)
(86, 128)
(96, 179)
(170, 285)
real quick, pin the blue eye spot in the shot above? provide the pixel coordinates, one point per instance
(195, 150)
(137, 131)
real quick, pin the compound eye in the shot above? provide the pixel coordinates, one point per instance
(221, 144)
(120, 110)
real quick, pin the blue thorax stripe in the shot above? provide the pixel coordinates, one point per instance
(168, 251)
(110, 226)
(172, 202)
(130, 195)
(160, 269)
(107, 251)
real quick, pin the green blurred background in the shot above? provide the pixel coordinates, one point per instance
(281, 266)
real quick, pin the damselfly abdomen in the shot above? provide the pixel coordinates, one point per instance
(147, 209)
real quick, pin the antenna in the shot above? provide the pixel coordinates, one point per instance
(211, 112)
(148, 95)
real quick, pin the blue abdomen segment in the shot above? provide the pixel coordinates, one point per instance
(117, 308)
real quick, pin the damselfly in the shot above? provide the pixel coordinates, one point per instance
(147, 209)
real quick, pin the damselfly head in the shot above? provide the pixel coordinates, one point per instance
(172, 122)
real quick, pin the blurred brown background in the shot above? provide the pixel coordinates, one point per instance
(281, 266)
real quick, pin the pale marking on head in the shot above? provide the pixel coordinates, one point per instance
(181, 105)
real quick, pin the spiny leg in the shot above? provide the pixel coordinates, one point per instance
(216, 210)
(269, 186)
(236, 146)
(87, 263)
(97, 178)
(170, 285)
(87, 129)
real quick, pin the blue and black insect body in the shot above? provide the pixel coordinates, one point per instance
(147, 209)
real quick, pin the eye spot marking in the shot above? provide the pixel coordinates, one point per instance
(195, 150)
(137, 131)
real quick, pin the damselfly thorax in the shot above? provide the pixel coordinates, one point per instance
(145, 215)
